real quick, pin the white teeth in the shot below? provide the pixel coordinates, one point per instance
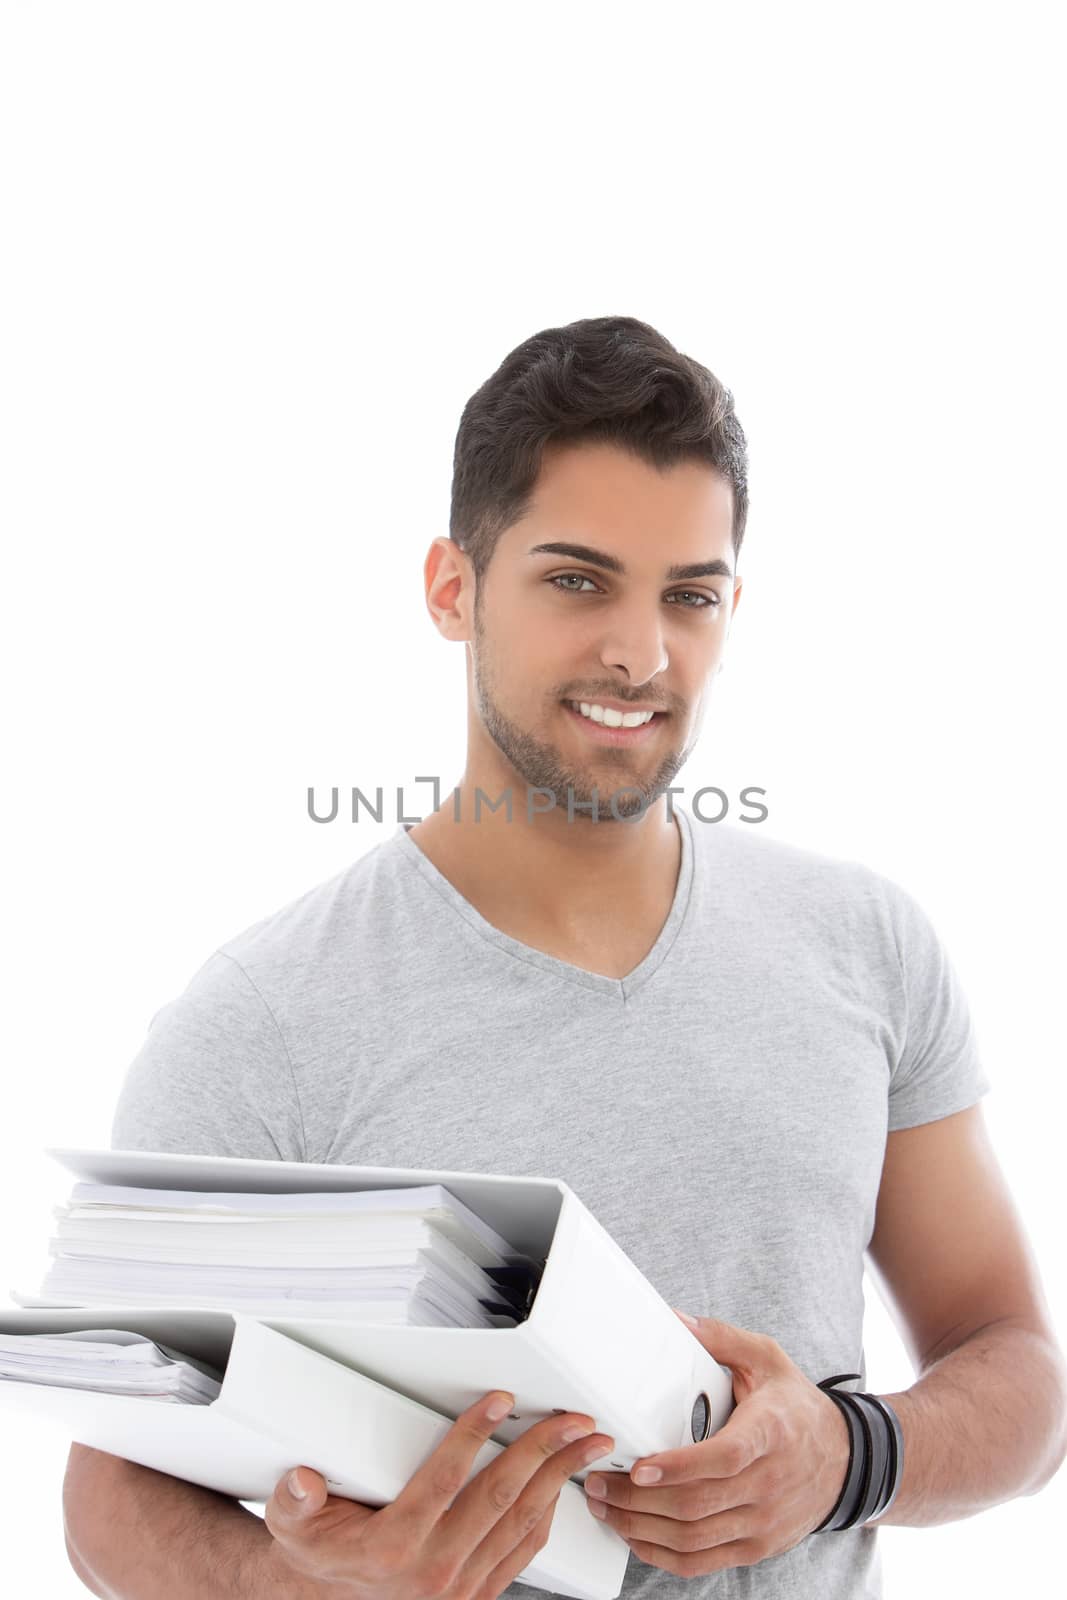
(614, 719)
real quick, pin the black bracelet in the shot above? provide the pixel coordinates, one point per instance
(875, 1461)
(895, 1467)
(855, 1462)
(877, 1437)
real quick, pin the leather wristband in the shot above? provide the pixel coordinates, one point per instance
(876, 1458)
(850, 1488)
(876, 1438)
(895, 1469)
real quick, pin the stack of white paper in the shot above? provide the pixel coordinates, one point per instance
(108, 1361)
(411, 1256)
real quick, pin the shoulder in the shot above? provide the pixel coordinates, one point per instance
(769, 872)
(215, 1073)
(814, 906)
(820, 913)
(307, 936)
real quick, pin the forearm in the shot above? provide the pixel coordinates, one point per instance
(985, 1423)
(135, 1534)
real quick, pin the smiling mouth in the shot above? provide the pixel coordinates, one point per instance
(609, 733)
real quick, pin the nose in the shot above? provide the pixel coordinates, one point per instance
(634, 643)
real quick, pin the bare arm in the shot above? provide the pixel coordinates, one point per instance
(136, 1534)
(987, 1419)
(984, 1424)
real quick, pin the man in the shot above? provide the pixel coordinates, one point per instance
(753, 1063)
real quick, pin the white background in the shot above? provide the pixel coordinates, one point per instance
(256, 259)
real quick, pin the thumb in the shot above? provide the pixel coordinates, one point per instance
(306, 1490)
(301, 1492)
(735, 1347)
(293, 1518)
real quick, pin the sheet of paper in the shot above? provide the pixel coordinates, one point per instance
(402, 1255)
(107, 1361)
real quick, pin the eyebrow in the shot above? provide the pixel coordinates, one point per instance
(598, 558)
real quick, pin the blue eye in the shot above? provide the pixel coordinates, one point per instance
(564, 575)
(705, 602)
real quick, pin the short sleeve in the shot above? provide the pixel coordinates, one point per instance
(213, 1076)
(937, 1067)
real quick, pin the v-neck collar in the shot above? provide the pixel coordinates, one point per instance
(598, 982)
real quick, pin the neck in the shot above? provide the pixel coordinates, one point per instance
(562, 874)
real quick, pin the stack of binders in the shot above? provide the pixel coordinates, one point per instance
(351, 1313)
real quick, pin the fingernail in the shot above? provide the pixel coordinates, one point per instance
(648, 1474)
(499, 1407)
(293, 1484)
(578, 1430)
(596, 1486)
(692, 1321)
(597, 1507)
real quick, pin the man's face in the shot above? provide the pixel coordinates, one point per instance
(613, 625)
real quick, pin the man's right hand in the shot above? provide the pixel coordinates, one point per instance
(441, 1536)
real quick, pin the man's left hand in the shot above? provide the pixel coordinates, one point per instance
(758, 1486)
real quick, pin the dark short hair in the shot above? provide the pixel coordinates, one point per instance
(603, 378)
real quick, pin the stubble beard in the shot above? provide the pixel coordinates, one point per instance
(542, 767)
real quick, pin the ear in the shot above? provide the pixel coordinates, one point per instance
(734, 603)
(449, 579)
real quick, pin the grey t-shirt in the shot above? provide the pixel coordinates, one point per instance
(722, 1110)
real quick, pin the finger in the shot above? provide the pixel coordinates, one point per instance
(519, 1559)
(292, 1517)
(705, 1534)
(430, 1491)
(685, 1502)
(298, 1494)
(740, 1349)
(741, 1440)
(694, 1564)
(506, 1500)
